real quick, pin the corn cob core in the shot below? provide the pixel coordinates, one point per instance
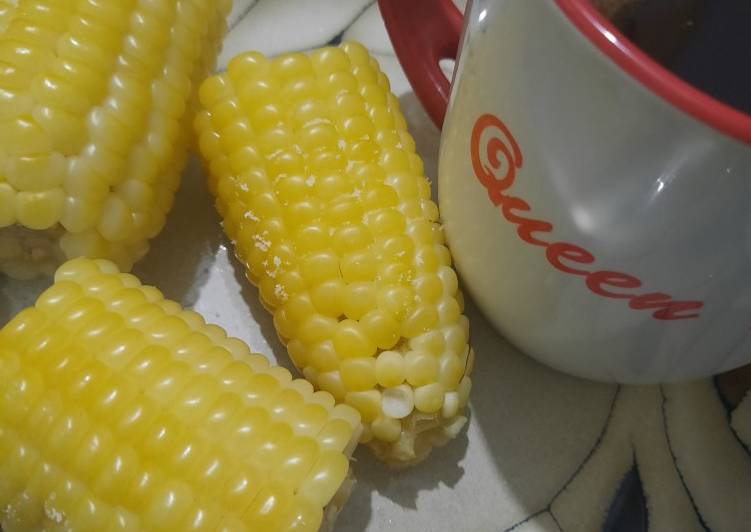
(121, 411)
(326, 203)
(95, 114)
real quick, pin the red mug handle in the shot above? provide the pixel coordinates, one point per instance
(423, 32)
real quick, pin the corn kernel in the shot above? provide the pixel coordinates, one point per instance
(421, 319)
(390, 369)
(328, 60)
(317, 328)
(381, 327)
(324, 478)
(335, 435)
(351, 342)
(430, 342)
(331, 381)
(396, 299)
(428, 287)
(358, 266)
(358, 374)
(420, 368)
(323, 357)
(398, 402)
(451, 370)
(429, 398)
(450, 405)
(387, 429)
(357, 299)
(39, 210)
(327, 297)
(454, 338)
(368, 403)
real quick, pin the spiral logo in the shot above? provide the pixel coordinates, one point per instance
(495, 155)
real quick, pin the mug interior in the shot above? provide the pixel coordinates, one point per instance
(617, 47)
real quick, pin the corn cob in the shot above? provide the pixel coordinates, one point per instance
(95, 118)
(326, 203)
(121, 411)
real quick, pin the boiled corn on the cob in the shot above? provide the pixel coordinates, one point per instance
(95, 114)
(325, 200)
(121, 411)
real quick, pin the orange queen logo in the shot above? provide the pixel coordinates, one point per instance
(496, 158)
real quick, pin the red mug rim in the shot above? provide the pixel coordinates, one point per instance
(652, 75)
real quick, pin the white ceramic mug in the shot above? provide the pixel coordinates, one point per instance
(598, 208)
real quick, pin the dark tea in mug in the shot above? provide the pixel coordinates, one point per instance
(705, 42)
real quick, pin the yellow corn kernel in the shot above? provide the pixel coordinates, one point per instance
(368, 403)
(121, 411)
(390, 369)
(325, 199)
(420, 368)
(96, 103)
(351, 341)
(429, 397)
(359, 374)
(386, 429)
